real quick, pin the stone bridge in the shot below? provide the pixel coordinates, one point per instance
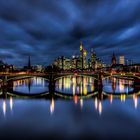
(54, 76)
(47, 76)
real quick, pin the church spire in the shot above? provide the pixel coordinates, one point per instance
(113, 59)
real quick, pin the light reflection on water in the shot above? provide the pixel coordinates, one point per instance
(103, 114)
(51, 114)
(98, 104)
(117, 86)
(75, 85)
(33, 85)
(52, 106)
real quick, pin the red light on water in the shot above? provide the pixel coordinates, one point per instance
(75, 73)
(75, 99)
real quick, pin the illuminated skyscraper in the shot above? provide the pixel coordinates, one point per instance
(83, 56)
(122, 60)
(63, 63)
(93, 58)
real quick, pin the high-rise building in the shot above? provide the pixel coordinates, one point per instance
(122, 60)
(60, 62)
(98, 63)
(93, 58)
(83, 56)
(80, 61)
(67, 63)
(63, 63)
(39, 68)
(5, 67)
(75, 62)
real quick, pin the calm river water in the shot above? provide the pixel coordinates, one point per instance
(75, 110)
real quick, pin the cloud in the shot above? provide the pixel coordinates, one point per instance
(46, 29)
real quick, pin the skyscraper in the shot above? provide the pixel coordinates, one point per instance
(122, 60)
(83, 56)
(93, 58)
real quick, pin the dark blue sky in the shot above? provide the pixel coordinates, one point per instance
(45, 29)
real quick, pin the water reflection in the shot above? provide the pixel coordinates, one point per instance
(113, 85)
(135, 99)
(100, 107)
(11, 103)
(54, 114)
(4, 107)
(75, 85)
(97, 102)
(51, 111)
(111, 99)
(81, 103)
(52, 106)
(7, 103)
(123, 97)
(33, 85)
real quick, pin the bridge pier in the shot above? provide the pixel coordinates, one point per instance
(98, 83)
(100, 93)
(4, 81)
(4, 93)
(51, 84)
(137, 83)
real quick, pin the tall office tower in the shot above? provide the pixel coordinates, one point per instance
(122, 60)
(93, 58)
(83, 56)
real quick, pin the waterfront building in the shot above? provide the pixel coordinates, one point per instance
(83, 55)
(122, 60)
(74, 62)
(4, 67)
(79, 62)
(98, 63)
(93, 58)
(134, 67)
(67, 63)
(63, 63)
(59, 62)
(39, 68)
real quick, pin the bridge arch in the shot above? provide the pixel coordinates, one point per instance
(71, 96)
(24, 77)
(119, 95)
(16, 94)
(62, 76)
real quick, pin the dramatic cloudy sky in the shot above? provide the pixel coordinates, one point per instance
(45, 29)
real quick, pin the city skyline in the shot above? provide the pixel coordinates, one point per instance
(45, 30)
(90, 59)
(69, 69)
